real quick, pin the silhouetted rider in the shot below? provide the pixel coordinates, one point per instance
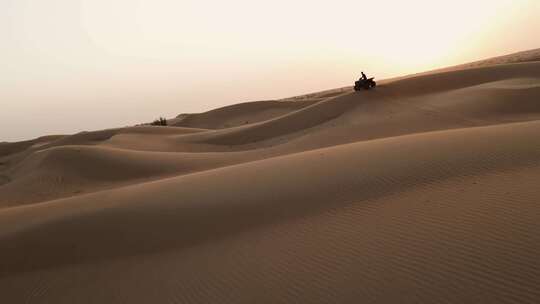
(364, 77)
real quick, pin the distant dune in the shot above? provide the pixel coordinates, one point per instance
(423, 190)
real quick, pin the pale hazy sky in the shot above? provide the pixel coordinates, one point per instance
(73, 65)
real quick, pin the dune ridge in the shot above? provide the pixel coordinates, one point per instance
(424, 190)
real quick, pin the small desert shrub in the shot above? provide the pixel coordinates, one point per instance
(159, 122)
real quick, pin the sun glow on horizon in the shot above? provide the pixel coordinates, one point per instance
(130, 61)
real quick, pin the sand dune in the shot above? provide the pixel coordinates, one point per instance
(239, 114)
(11, 148)
(519, 57)
(403, 107)
(69, 170)
(424, 190)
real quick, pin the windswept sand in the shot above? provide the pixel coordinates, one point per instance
(424, 190)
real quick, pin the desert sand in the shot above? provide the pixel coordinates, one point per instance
(423, 190)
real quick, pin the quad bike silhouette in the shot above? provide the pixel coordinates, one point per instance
(365, 84)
